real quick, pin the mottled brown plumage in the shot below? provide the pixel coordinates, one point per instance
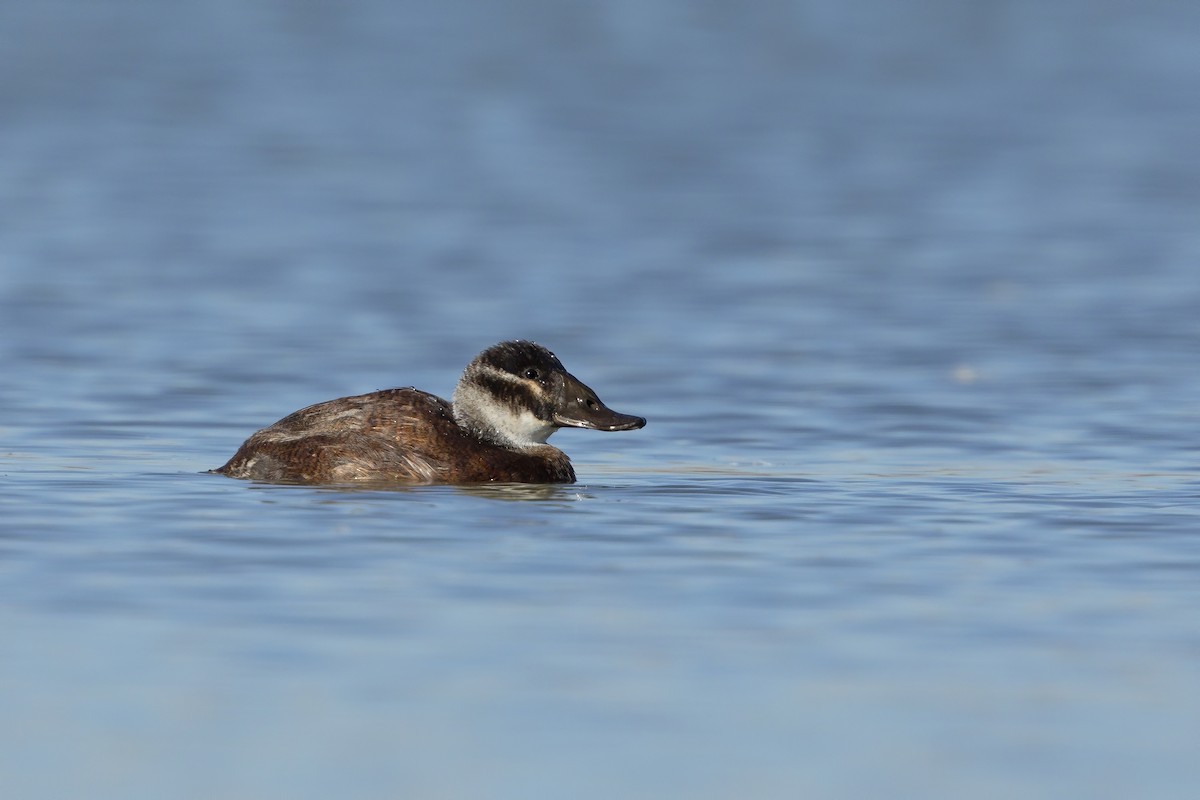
(509, 400)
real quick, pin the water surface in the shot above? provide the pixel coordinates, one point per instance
(908, 296)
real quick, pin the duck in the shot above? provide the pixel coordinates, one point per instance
(510, 399)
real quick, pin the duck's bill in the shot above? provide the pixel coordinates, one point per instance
(612, 421)
(579, 407)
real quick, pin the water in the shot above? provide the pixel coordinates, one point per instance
(907, 293)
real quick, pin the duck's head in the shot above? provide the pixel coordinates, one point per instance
(517, 394)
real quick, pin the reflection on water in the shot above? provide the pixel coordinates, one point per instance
(492, 491)
(495, 491)
(908, 297)
(517, 491)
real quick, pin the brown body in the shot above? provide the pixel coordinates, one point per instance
(391, 436)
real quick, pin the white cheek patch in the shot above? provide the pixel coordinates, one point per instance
(519, 428)
(522, 429)
(528, 429)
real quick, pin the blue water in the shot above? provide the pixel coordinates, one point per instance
(907, 291)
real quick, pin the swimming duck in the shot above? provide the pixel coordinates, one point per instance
(509, 401)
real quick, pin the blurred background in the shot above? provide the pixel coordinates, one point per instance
(907, 290)
(210, 197)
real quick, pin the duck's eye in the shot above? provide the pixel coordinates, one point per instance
(532, 374)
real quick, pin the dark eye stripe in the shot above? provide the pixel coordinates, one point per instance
(515, 394)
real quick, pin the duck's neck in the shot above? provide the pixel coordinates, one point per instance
(484, 417)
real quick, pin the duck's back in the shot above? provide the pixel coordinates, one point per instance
(391, 436)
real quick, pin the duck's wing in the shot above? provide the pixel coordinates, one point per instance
(382, 436)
